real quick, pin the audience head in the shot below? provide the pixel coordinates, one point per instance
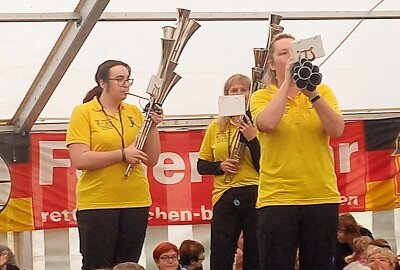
(128, 266)
(191, 253)
(382, 243)
(348, 228)
(165, 256)
(360, 247)
(381, 259)
(6, 251)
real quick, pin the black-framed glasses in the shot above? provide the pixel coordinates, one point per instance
(122, 81)
(167, 258)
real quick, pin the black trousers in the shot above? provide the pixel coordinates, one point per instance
(283, 229)
(234, 212)
(111, 236)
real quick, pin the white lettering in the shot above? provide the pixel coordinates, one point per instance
(195, 177)
(47, 161)
(345, 151)
(184, 215)
(349, 200)
(160, 170)
(57, 216)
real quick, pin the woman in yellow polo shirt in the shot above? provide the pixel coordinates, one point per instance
(112, 212)
(298, 197)
(234, 200)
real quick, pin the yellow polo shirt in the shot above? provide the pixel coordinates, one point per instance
(296, 164)
(106, 187)
(215, 148)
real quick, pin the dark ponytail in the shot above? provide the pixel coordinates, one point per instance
(102, 74)
(95, 92)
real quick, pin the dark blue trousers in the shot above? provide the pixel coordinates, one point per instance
(111, 236)
(234, 212)
(283, 229)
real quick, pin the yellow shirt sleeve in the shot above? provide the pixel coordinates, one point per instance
(206, 148)
(79, 127)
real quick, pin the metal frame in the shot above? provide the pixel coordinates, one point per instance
(59, 59)
(203, 16)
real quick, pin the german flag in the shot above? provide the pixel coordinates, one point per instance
(382, 163)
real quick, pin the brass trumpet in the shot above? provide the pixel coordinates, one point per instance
(173, 43)
(261, 56)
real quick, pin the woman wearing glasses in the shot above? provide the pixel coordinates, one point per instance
(191, 255)
(112, 212)
(166, 256)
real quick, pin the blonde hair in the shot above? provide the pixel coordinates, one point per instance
(360, 244)
(385, 252)
(270, 75)
(244, 80)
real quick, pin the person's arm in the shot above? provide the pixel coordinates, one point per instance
(205, 167)
(152, 147)
(332, 121)
(248, 135)
(78, 143)
(270, 117)
(84, 159)
(254, 147)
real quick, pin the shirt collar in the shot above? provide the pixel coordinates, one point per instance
(97, 106)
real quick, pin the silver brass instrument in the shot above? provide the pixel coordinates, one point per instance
(261, 56)
(173, 42)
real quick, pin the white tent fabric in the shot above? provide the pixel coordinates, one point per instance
(362, 72)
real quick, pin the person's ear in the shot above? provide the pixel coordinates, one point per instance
(271, 65)
(103, 84)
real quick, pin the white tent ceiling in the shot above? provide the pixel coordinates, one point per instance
(362, 72)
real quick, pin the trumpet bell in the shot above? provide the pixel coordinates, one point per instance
(187, 32)
(275, 19)
(260, 55)
(170, 82)
(168, 32)
(166, 49)
(256, 77)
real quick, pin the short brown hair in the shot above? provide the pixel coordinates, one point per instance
(190, 250)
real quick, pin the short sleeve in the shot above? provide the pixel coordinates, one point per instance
(79, 127)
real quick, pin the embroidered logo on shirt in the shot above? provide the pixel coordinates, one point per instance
(104, 124)
(131, 121)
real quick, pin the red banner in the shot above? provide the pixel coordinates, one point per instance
(43, 186)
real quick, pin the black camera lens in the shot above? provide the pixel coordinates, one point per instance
(308, 64)
(301, 83)
(315, 69)
(304, 72)
(315, 78)
(311, 87)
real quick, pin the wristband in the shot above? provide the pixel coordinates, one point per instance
(123, 154)
(315, 98)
